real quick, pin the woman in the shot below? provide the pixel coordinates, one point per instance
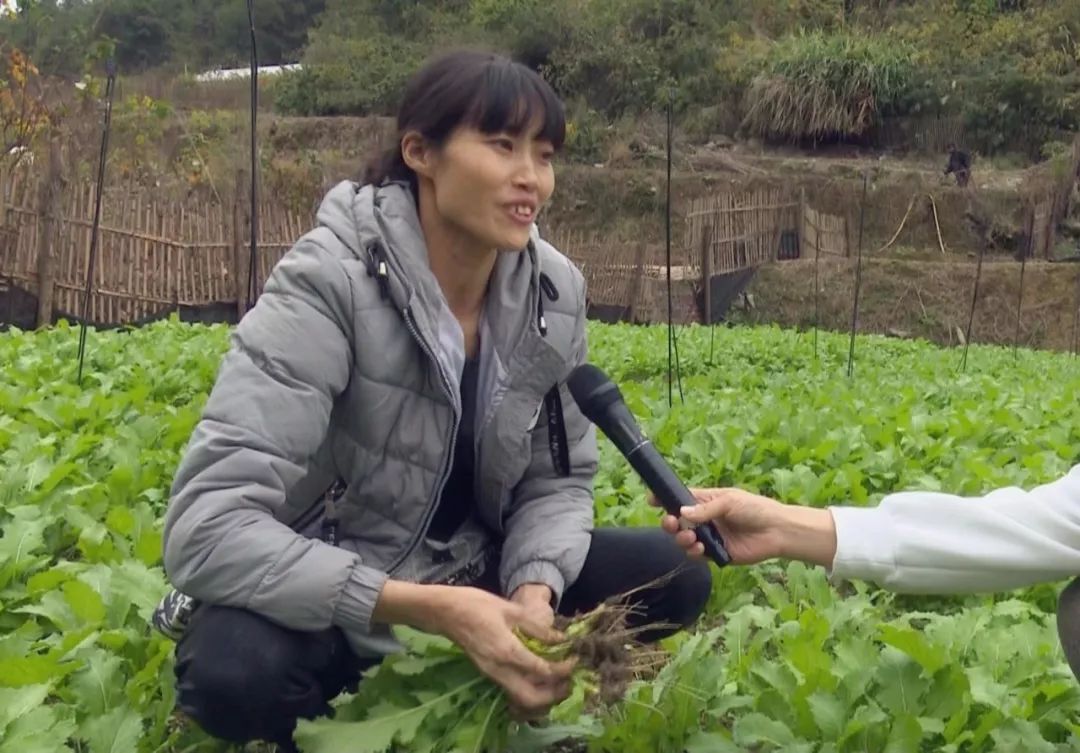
(390, 440)
(914, 542)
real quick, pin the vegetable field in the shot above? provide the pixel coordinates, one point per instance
(784, 660)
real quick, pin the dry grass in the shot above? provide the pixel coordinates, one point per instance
(925, 299)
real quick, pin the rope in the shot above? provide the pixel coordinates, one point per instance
(110, 71)
(937, 225)
(902, 223)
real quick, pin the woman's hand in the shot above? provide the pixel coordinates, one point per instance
(756, 528)
(483, 625)
(536, 598)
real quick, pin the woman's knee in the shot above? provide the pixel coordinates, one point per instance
(241, 678)
(1068, 623)
(672, 588)
(689, 591)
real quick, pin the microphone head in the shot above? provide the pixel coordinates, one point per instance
(593, 391)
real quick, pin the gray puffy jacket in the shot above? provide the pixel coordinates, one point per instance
(347, 370)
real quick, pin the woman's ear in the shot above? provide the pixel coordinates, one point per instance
(417, 153)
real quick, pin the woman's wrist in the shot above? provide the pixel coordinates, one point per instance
(424, 607)
(807, 534)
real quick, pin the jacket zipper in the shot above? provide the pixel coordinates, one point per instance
(489, 415)
(308, 516)
(430, 510)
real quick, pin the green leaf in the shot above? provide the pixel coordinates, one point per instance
(384, 724)
(758, 729)
(410, 665)
(985, 689)
(711, 742)
(930, 657)
(58, 474)
(85, 602)
(148, 547)
(905, 735)
(528, 738)
(373, 735)
(40, 730)
(54, 608)
(132, 582)
(1021, 734)
(902, 683)
(99, 687)
(15, 702)
(118, 731)
(22, 537)
(17, 672)
(829, 714)
(47, 580)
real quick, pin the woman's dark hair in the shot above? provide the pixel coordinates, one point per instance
(470, 88)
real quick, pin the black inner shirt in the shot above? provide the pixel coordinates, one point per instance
(456, 502)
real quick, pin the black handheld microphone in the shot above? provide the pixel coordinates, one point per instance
(602, 403)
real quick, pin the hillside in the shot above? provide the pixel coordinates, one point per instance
(804, 97)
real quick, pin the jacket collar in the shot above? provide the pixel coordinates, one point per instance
(381, 226)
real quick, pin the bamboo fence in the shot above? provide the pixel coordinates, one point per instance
(152, 255)
(156, 256)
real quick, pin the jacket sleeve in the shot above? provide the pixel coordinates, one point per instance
(928, 542)
(267, 414)
(548, 532)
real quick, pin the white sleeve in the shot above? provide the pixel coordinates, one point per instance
(929, 542)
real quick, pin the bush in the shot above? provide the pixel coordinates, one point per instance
(349, 77)
(821, 86)
(1004, 107)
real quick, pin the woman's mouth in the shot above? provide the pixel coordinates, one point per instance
(522, 214)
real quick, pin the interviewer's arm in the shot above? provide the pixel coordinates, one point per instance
(914, 542)
(929, 542)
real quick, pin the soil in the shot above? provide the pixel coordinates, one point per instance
(924, 299)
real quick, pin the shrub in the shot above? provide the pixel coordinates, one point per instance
(349, 77)
(821, 86)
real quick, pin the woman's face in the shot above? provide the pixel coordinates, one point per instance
(489, 187)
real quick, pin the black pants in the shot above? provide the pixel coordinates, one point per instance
(243, 678)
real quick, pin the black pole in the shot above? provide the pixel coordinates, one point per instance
(667, 234)
(667, 218)
(974, 299)
(253, 284)
(712, 336)
(858, 279)
(1076, 317)
(110, 71)
(817, 289)
(1019, 304)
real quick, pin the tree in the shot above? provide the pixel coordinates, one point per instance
(23, 112)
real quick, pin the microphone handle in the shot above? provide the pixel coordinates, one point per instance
(673, 495)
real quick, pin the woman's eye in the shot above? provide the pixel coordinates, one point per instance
(504, 144)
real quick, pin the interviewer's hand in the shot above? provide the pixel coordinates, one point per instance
(756, 528)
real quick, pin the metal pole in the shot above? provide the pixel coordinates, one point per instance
(974, 299)
(253, 284)
(858, 279)
(1019, 304)
(110, 70)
